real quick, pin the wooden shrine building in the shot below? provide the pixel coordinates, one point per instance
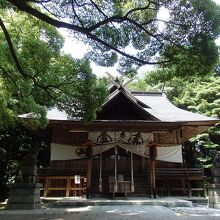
(134, 147)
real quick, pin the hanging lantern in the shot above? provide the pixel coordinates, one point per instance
(152, 150)
(89, 145)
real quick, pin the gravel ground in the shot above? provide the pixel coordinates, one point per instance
(110, 212)
(196, 211)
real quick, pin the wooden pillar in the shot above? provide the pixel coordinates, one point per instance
(100, 171)
(115, 189)
(143, 164)
(89, 169)
(68, 185)
(46, 184)
(89, 177)
(153, 156)
(132, 172)
(153, 178)
(132, 167)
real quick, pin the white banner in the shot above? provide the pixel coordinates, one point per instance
(66, 152)
(103, 141)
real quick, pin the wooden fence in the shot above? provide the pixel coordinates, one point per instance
(183, 180)
(66, 185)
(169, 182)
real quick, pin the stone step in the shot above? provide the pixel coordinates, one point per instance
(79, 202)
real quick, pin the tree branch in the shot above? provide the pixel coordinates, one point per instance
(119, 19)
(38, 1)
(21, 5)
(11, 48)
(6, 75)
(99, 10)
(74, 11)
(42, 5)
(24, 75)
(138, 9)
(140, 61)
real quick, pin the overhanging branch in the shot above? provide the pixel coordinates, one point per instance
(9, 77)
(11, 48)
(19, 68)
(23, 6)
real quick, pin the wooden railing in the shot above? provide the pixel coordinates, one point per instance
(184, 180)
(169, 181)
(68, 185)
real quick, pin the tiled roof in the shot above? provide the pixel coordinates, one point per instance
(154, 103)
(164, 110)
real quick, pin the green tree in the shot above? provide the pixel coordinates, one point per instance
(131, 32)
(168, 81)
(204, 98)
(195, 94)
(35, 75)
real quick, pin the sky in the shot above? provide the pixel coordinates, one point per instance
(77, 50)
